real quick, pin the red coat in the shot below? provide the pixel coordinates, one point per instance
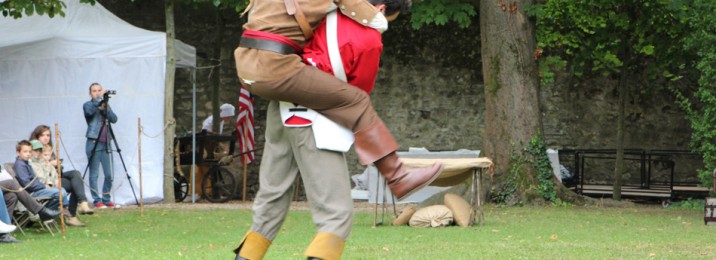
(360, 48)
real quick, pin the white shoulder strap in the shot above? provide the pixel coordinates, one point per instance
(332, 40)
(328, 134)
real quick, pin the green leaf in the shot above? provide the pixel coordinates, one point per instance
(40, 9)
(648, 50)
(29, 10)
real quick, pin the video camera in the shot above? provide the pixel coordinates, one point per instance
(109, 92)
(105, 97)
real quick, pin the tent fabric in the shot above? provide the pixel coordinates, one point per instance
(46, 68)
(86, 31)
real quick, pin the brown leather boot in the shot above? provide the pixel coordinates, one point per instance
(403, 181)
(376, 145)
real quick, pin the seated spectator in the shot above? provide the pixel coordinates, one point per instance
(42, 134)
(27, 178)
(71, 181)
(12, 193)
(5, 227)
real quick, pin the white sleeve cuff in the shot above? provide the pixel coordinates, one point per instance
(379, 23)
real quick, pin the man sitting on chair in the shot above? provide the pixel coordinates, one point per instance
(12, 193)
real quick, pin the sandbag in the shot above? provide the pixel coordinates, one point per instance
(432, 216)
(404, 216)
(460, 209)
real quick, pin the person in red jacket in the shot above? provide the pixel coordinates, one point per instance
(268, 65)
(291, 146)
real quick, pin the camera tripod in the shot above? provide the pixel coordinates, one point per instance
(108, 147)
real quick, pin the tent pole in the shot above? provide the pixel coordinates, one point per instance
(139, 151)
(193, 135)
(243, 159)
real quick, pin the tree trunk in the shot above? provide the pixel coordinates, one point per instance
(169, 105)
(216, 75)
(626, 55)
(512, 114)
(619, 164)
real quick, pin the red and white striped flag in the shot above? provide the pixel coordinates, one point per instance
(245, 125)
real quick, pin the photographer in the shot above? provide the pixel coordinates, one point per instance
(97, 111)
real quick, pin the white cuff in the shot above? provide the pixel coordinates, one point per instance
(379, 23)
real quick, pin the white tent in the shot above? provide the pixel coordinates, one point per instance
(46, 67)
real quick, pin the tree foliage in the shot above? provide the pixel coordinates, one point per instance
(235, 5)
(607, 37)
(17, 8)
(701, 109)
(440, 12)
(637, 42)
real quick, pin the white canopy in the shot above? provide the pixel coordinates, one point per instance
(46, 68)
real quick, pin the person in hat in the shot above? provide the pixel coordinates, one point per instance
(27, 178)
(71, 182)
(71, 179)
(226, 112)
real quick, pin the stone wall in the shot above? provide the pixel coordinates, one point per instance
(429, 90)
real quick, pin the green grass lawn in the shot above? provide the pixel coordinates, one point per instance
(517, 232)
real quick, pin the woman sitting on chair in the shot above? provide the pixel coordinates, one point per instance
(71, 181)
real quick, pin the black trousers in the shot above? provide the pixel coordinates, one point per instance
(72, 183)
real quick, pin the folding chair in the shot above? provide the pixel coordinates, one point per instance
(22, 217)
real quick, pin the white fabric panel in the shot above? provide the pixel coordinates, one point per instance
(185, 55)
(46, 67)
(85, 31)
(30, 99)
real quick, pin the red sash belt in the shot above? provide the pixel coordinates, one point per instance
(269, 42)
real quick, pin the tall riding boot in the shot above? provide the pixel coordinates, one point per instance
(252, 247)
(376, 145)
(325, 246)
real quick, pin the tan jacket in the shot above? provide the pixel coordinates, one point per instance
(44, 171)
(270, 16)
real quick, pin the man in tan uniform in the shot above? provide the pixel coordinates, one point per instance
(268, 65)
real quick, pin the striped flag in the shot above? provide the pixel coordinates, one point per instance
(245, 125)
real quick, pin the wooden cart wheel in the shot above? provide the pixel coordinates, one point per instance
(218, 185)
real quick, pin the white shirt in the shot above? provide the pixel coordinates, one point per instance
(209, 123)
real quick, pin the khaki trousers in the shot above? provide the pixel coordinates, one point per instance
(324, 174)
(305, 85)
